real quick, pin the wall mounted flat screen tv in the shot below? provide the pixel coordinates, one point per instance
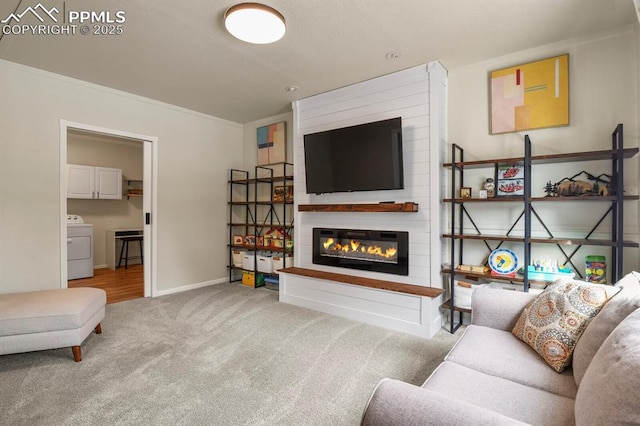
(366, 157)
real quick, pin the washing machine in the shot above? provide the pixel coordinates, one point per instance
(79, 248)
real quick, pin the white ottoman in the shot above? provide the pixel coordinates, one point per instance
(50, 319)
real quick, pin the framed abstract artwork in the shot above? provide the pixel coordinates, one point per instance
(272, 144)
(530, 96)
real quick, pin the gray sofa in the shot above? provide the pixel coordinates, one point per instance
(491, 377)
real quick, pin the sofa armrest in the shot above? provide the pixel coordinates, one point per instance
(398, 403)
(498, 308)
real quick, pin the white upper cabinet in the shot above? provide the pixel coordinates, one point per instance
(90, 182)
(108, 183)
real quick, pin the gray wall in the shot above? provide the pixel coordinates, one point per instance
(603, 91)
(194, 153)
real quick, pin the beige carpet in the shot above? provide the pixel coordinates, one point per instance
(221, 355)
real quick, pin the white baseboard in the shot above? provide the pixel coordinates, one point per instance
(191, 286)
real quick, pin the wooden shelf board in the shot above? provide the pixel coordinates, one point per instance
(366, 282)
(536, 199)
(544, 240)
(260, 248)
(516, 279)
(408, 207)
(447, 305)
(260, 225)
(262, 180)
(546, 159)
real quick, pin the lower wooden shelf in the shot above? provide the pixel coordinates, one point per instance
(517, 279)
(447, 305)
(366, 282)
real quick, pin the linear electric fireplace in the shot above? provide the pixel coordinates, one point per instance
(370, 250)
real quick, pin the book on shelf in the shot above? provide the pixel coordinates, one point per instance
(476, 269)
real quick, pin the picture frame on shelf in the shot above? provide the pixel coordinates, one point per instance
(238, 240)
(465, 192)
(509, 179)
(282, 193)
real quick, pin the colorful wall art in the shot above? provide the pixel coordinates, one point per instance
(530, 96)
(272, 144)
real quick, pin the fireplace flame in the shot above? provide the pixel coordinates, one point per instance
(355, 246)
(328, 243)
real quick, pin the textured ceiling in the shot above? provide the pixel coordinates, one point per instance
(179, 53)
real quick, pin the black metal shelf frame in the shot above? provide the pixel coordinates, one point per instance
(264, 179)
(458, 213)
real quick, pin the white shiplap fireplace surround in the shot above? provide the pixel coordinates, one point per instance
(418, 95)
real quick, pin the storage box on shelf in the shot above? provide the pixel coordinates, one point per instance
(280, 259)
(264, 263)
(458, 212)
(260, 221)
(237, 255)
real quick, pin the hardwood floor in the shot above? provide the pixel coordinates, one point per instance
(120, 285)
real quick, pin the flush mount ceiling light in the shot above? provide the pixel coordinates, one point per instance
(254, 23)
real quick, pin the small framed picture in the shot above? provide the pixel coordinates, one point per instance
(238, 239)
(509, 180)
(482, 193)
(465, 192)
(282, 193)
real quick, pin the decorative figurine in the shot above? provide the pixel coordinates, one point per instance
(490, 186)
(570, 187)
(550, 189)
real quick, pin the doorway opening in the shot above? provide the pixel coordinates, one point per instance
(133, 158)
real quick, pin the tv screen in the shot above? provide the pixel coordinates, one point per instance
(366, 157)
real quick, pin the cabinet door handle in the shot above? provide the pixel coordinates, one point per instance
(69, 240)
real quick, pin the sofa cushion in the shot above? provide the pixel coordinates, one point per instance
(398, 403)
(617, 309)
(608, 393)
(554, 321)
(499, 353)
(520, 402)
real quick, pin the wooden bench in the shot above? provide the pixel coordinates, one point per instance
(416, 290)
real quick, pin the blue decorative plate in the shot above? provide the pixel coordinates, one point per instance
(503, 261)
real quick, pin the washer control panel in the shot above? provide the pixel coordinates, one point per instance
(74, 218)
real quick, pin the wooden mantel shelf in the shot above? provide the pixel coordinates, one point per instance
(408, 207)
(366, 282)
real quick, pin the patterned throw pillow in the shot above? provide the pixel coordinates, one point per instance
(554, 321)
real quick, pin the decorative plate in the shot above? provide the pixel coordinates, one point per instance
(503, 261)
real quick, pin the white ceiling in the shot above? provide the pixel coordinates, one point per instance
(178, 51)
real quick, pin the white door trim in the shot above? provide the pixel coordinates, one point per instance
(150, 199)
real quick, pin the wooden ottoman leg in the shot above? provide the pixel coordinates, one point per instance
(77, 353)
(98, 329)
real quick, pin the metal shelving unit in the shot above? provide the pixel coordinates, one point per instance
(253, 211)
(458, 213)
